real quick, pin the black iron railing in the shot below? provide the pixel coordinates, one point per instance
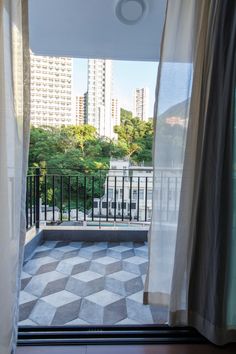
(110, 195)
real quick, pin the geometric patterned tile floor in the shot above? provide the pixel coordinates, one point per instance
(82, 283)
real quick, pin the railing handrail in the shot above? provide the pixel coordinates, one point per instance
(131, 193)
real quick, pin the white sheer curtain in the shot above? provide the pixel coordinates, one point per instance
(172, 110)
(191, 257)
(14, 135)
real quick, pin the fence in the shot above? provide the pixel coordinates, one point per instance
(110, 195)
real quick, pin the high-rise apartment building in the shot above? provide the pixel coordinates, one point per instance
(99, 106)
(51, 91)
(80, 109)
(141, 102)
(115, 111)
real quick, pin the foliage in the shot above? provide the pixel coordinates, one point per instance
(78, 151)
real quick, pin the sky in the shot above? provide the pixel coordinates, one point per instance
(128, 75)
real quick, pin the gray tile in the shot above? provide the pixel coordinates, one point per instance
(56, 309)
(120, 252)
(137, 265)
(106, 265)
(77, 322)
(41, 251)
(127, 321)
(63, 252)
(103, 307)
(73, 265)
(25, 278)
(40, 265)
(85, 283)
(76, 244)
(127, 244)
(43, 313)
(123, 283)
(46, 283)
(50, 244)
(93, 252)
(159, 314)
(141, 251)
(136, 310)
(26, 305)
(97, 305)
(27, 322)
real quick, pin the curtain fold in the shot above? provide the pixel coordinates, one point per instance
(14, 141)
(202, 277)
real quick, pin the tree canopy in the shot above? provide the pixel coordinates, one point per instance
(72, 148)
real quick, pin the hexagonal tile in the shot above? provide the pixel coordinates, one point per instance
(40, 265)
(106, 265)
(73, 265)
(26, 304)
(56, 309)
(136, 310)
(103, 307)
(141, 251)
(137, 265)
(64, 252)
(46, 283)
(25, 278)
(93, 252)
(41, 251)
(120, 252)
(85, 283)
(123, 283)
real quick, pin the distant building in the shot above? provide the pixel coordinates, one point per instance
(80, 109)
(51, 91)
(129, 191)
(115, 111)
(99, 98)
(141, 103)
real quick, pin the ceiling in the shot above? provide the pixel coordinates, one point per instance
(111, 29)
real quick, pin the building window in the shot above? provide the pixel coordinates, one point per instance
(104, 205)
(110, 193)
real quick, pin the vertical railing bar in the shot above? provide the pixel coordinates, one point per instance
(34, 199)
(138, 199)
(107, 198)
(69, 196)
(92, 197)
(45, 197)
(100, 209)
(107, 189)
(31, 202)
(130, 200)
(176, 186)
(77, 198)
(37, 198)
(122, 210)
(53, 198)
(167, 203)
(84, 198)
(146, 184)
(26, 203)
(161, 186)
(115, 201)
(61, 197)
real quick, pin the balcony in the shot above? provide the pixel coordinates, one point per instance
(87, 262)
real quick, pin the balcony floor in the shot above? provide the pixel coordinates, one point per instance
(84, 283)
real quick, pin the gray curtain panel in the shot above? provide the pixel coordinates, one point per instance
(212, 225)
(204, 233)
